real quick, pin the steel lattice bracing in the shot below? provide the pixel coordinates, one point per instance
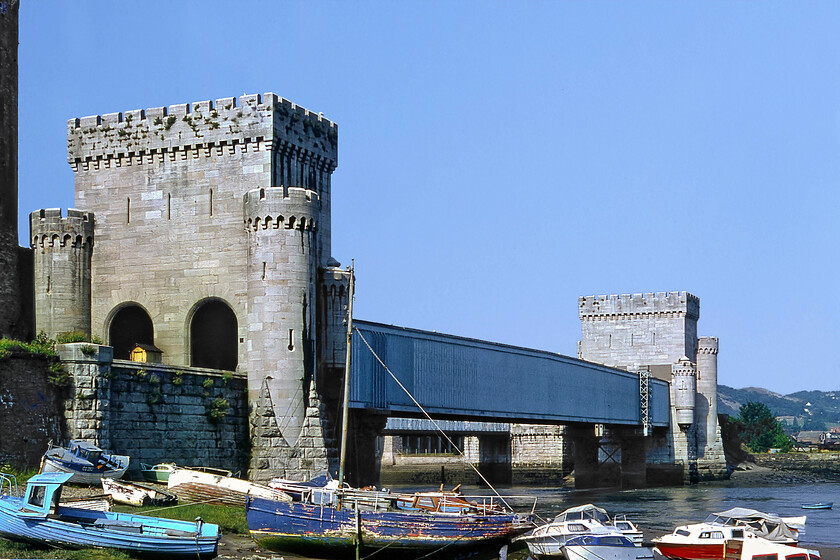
(472, 379)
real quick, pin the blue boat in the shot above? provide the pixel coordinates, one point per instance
(337, 530)
(37, 518)
(819, 505)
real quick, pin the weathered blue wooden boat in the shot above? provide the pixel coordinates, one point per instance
(87, 463)
(334, 521)
(336, 530)
(37, 518)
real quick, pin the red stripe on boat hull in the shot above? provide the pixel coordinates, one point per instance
(687, 551)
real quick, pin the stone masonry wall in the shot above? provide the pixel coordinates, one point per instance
(538, 454)
(638, 329)
(30, 409)
(155, 413)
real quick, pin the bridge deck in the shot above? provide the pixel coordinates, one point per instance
(462, 378)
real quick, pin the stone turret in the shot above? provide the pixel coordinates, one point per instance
(707, 378)
(683, 391)
(282, 273)
(9, 281)
(62, 248)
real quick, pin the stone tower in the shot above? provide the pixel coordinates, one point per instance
(705, 411)
(658, 332)
(62, 250)
(9, 281)
(213, 244)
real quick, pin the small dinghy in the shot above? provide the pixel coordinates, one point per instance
(87, 463)
(157, 473)
(38, 518)
(818, 505)
(136, 494)
(219, 487)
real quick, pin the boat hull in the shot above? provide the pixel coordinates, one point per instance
(601, 552)
(315, 530)
(197, 486)
(83, 533)
(82, 475)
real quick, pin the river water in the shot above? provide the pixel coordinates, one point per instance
(658, 510)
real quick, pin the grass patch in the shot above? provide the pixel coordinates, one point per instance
(10, 549)
(229, 519)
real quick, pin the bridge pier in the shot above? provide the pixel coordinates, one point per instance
(364, 454)
(585, 447)
(633, 458)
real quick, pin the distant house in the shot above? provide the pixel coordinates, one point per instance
(809, 438)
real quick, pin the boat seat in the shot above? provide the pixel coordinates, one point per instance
(179, 533)
(115, 525)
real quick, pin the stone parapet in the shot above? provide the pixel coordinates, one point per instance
(49, 228)
(228, 123)
(648, 304)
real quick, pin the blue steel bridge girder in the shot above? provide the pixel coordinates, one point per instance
(463, 378)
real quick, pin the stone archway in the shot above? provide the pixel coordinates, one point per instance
(214, 333)
(131, 325)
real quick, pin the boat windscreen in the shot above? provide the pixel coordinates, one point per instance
(720, 520)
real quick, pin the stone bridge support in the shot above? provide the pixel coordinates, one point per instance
(364, 452)
(585, 445)
(619, 459)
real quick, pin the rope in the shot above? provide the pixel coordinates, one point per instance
(437, 426)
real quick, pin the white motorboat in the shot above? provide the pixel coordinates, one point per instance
(604, 547)
(762, 549)
(588, 520)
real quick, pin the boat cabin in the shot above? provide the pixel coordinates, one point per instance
(43, 492)
(86, 451)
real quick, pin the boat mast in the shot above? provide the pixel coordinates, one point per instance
(345, 407)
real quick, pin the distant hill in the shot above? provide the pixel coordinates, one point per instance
(806, 409)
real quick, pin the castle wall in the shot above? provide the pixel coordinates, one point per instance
(31, 409)
(9, 284)
(156, 413)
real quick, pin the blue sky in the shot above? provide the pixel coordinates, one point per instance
(499, 159)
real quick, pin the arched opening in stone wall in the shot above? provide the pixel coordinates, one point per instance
(130, 326)
(214, 336)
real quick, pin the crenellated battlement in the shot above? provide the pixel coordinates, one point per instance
(281, 208)
(48, 228)
(268, 120)
(647, 304)
(707, 345)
